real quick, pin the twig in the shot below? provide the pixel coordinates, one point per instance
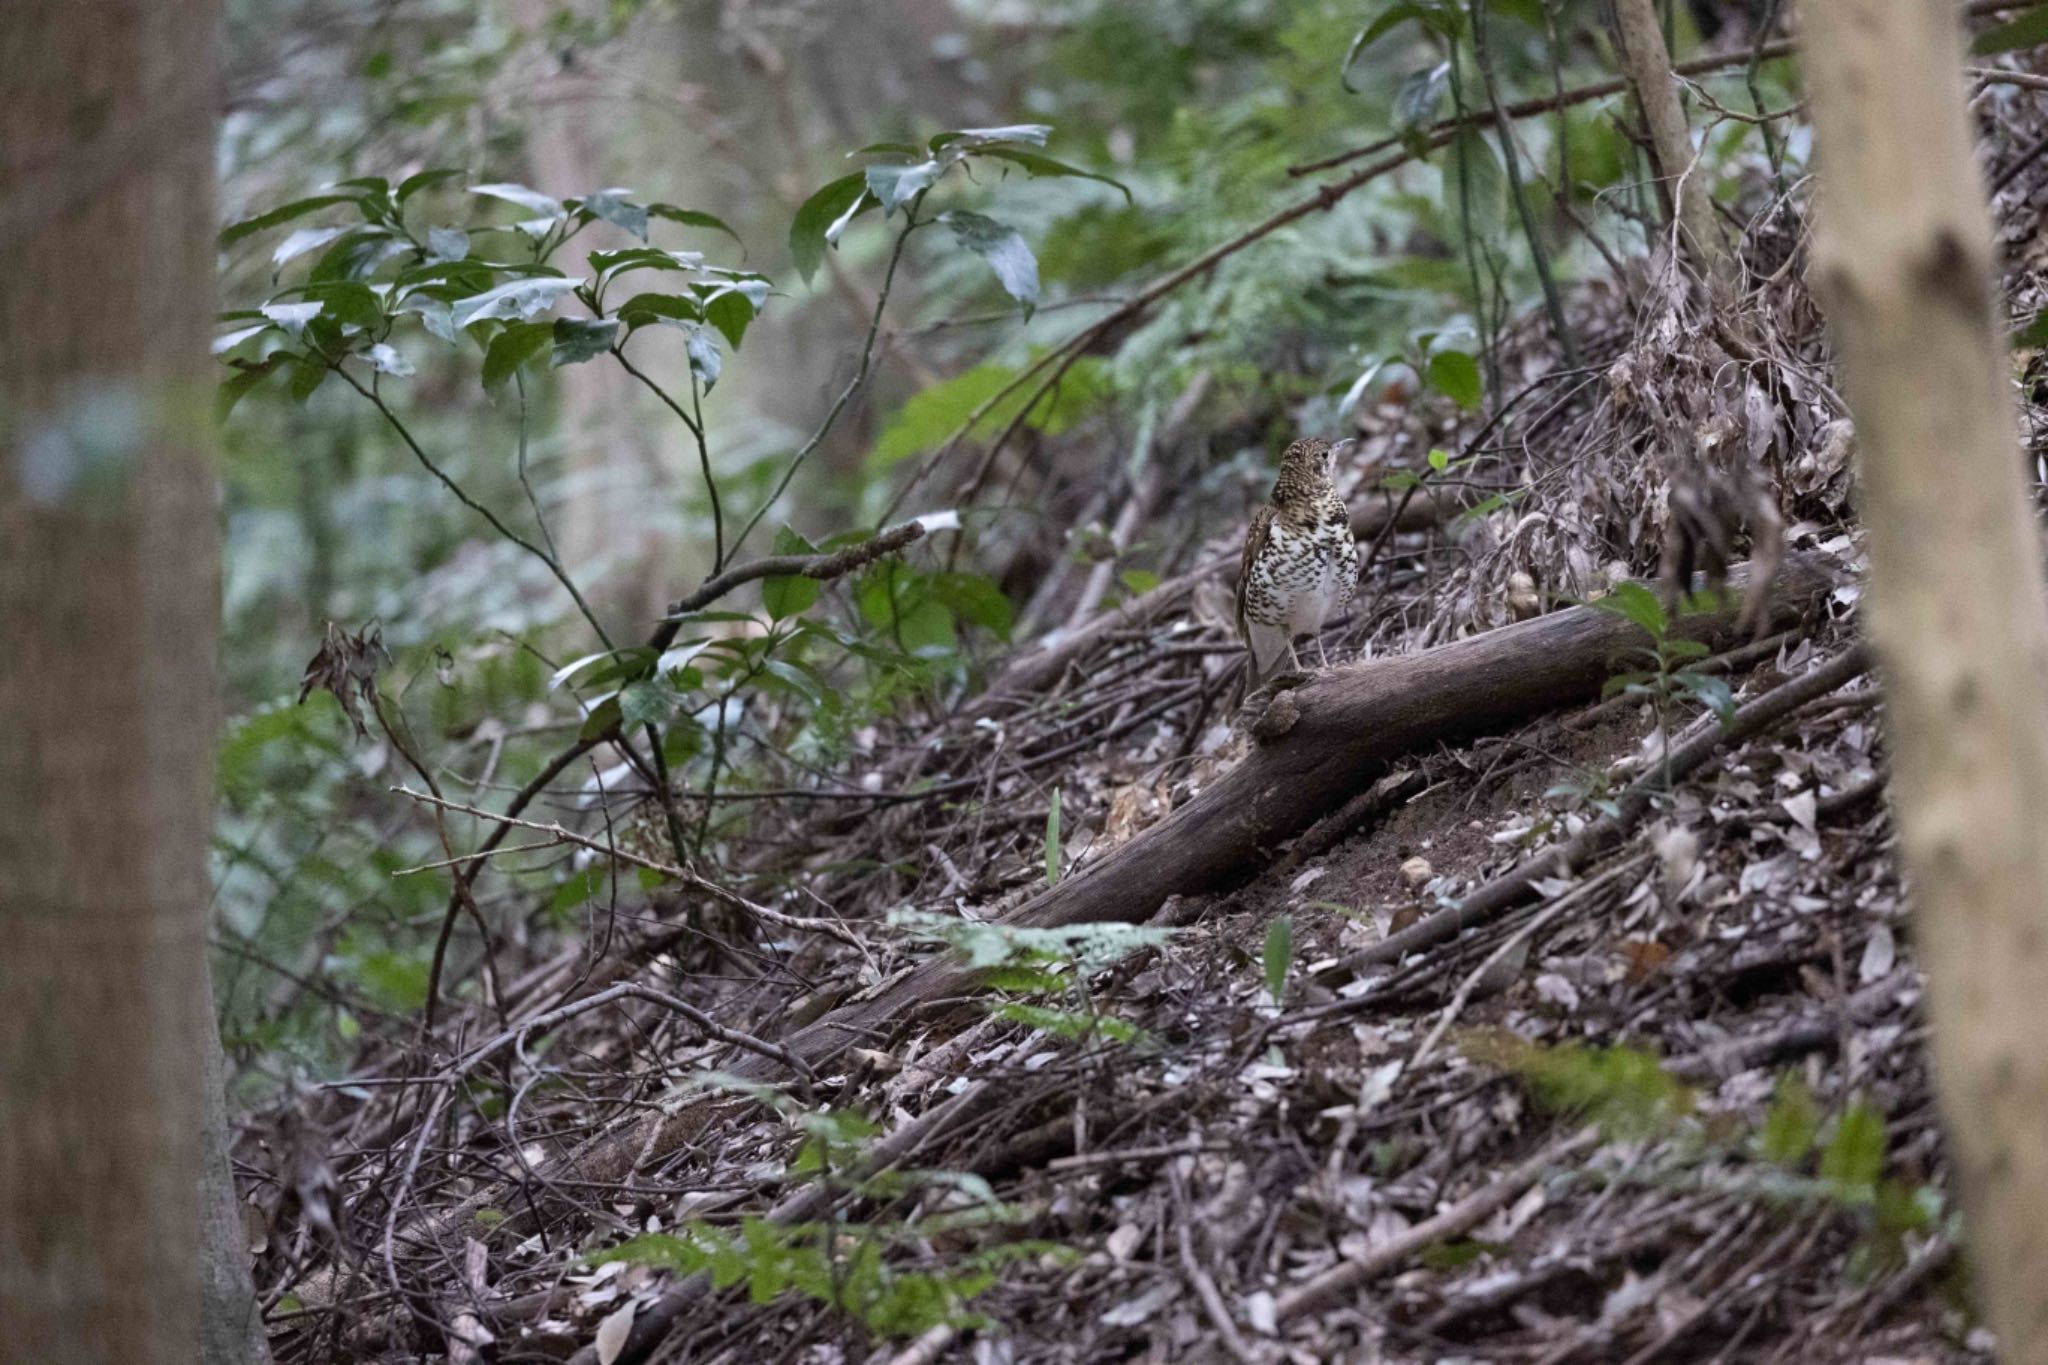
(696, 429)
(826, 566)
(376, 400)
(1507, 949)
(1205, 1286)
(1514, 886)
(451, 1076)
(1511, 160)
(562, 835)
(1455, 1221)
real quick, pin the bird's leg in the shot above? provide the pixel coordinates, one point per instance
(1322, 655)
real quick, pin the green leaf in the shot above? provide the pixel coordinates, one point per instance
(580, 339)
(546, 205)
(1474, 176)
(1634, 602)
(802, 683)
(614, 208)
(608, 264)
(1052, 841)
(284, 213)
(1439, 459)
(933, 414)
(513, 347)
(1036, 164)
(787, 597)
(1137, 581)
(519, 299)
(603, 719)
(1854, 1156)
(349, 303)
(446, 244)
(241, 383)
(647, 702)
(1791, 1125)
(301, 241)
(1422, 90)
(1278, 956)
(2029, 30)
(895, 185)
(693, 218)
(730, 311)
(810, 232)
(1455, 375)
(2034, 335)
(307, 376)
(1437, 18)
(1033, 133)
(705, 361)
(1002, 246)
(975, 599)
(422, 180)
(670, 309)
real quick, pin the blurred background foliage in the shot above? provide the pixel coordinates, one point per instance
(1188, 114)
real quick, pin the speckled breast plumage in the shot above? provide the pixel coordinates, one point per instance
(1302, 573)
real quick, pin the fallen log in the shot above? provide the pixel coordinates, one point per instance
(1352, 722)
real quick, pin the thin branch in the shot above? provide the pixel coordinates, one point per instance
(860, 376)
(696, 426)
(824, 566)
(376, 400)
(563, 835)
(1511, 160)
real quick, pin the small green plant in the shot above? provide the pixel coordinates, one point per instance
(1052, 965)
(1278, 957)
(1670, 656)
(855, 1267)
(1592, 786)
(1797, 1155)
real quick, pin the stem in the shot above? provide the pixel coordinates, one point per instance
(710, 484)
(867, 356)
(1479, 314)
(696, 426)
(532, 500)
(1512, 160)
(554, 566)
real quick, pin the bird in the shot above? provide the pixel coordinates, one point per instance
(1300, 560)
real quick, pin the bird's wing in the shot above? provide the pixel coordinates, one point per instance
(1255, 537)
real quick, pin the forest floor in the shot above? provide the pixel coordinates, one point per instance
(1667, 1099)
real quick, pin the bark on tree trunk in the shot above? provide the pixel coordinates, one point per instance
(109, 600)
(1646, 62)
(1957, 608)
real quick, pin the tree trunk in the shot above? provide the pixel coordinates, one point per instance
(1956, 599)
(1681, 186)
(109, 599)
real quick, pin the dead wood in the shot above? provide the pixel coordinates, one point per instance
(1519, 883)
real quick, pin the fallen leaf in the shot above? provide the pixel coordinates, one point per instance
(612, 1334)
